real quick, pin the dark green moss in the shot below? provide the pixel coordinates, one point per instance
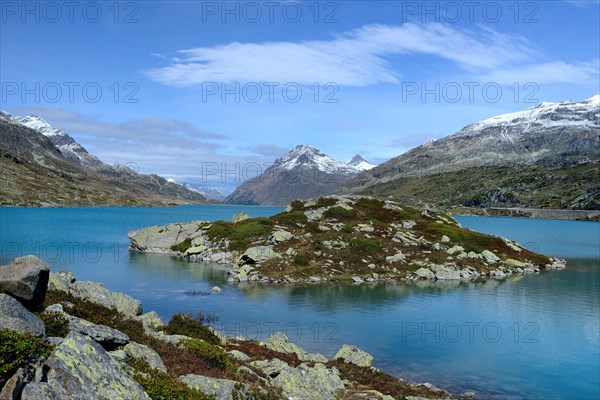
(470, 240)
(290, 218)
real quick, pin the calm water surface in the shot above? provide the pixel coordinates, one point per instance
(534, 337)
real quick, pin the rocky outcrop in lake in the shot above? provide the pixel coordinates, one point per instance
(345, 238)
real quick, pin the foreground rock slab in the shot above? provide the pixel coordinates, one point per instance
(25, 278)
(79, 368)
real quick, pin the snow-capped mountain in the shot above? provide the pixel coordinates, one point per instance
(302, 173)
(211, 193)
(360, 163)
(43, 165)
(553, 137)
(306, 156)
(65, 143)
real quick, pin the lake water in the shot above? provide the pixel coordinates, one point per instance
(534, 337)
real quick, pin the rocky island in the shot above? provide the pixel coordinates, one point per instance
(344, 238)
(66, 339)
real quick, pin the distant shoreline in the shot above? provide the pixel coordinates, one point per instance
(533, 213)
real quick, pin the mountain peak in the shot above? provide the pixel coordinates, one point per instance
(360, 163)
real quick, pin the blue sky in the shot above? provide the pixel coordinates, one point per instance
(189, 85)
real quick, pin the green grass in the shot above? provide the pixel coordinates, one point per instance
(56, 324)
(301, 259)
(213, 355)
(241, 234)
(364, 245)
(340, 213)
(470, 240)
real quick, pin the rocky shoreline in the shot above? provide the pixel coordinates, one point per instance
(344, 239)
(66, 339)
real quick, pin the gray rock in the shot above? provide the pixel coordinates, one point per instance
(25, 278)
(357, 279)
(141, 351)
(216, 289)
(221, 388)
(455, 249)
(14, 385)
(354, 355)
(280, 342)
(424, 273)
(151, 321)
(238, 355)
(490, 257)
(106, 336)
(258, 254)
(57, 308)
(445, 239)
(79, 367)
(398, 257)
(159, 239)
(443, 273)
(15, 317)
(281, 236)
(118, 355)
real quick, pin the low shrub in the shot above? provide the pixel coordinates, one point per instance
(339, 213)
(17, 350)
(364, 245)
(290, 218)
(213, 355)
(301, 259)
(188, 325)
(160, 385)
(56, 324)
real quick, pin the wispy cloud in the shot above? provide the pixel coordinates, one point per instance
(361, 57)
(269, 151)
(354, 58)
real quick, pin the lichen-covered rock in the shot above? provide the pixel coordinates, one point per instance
(258, 254)
(221, 388)
(515, 263)
(240, 217)
(16, 317)
(238, 355)
(141, 351)
(106, 336)
(61, 281)
(280, 342)
(424, 273)
(455, 249)
(151, 321)
(25, 278)
(80, 368)
(490, 257)
(98, 293)
(280, 236)
(354, 355)
(302, 382)
(398, 257)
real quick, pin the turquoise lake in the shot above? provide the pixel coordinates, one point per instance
(529, 337)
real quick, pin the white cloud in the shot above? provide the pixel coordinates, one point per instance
(355, 58)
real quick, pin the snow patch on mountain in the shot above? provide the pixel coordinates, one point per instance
(584, 113)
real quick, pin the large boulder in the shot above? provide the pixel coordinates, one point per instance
(222, 389)
(280, 342)
(16, 317)
(80, 368)
(25, 278)
(98, 293)
(354, 355)
(143, 352)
